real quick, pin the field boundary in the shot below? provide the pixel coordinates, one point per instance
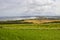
(33, 28)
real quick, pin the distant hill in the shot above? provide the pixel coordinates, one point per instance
(30, 17)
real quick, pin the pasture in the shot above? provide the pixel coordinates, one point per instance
(29, 34)
(30, 26)
(30, 31)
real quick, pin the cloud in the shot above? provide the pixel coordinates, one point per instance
(57, 7)
(26, 7)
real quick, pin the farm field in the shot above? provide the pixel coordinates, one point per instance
(31, 26)
(30, 31)
(29, 34)
(40, 21)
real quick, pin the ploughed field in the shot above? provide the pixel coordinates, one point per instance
(28, 31)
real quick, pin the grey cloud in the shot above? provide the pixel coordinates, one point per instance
(25, 7)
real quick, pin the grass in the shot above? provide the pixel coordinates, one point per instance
(28, 26)
(19, 31)
(29, 34)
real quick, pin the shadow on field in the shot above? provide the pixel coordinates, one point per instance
(1, 26)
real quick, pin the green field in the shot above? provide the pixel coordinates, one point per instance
(29, 26)
(30, 31)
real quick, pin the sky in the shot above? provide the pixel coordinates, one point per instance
(57, 7)
(29, 7)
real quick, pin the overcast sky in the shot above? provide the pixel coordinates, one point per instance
(29, 7)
